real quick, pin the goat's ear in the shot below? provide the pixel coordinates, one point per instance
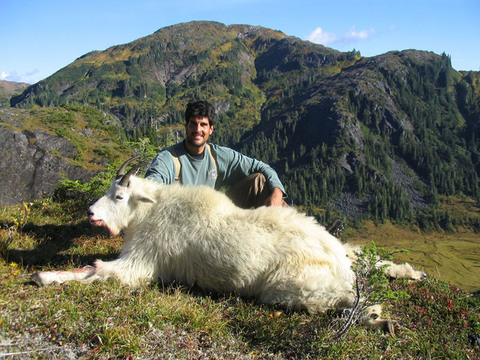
(141, 196)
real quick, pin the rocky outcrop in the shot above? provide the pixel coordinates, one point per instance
(32, 163)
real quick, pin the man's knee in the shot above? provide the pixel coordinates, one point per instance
(258, 182)
(250, 192)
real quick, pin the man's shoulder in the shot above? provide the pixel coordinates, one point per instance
(220, 149)
(174, 150)
(228, 154)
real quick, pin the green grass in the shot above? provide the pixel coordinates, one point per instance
(108, 320)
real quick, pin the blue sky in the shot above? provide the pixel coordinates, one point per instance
(39, 37)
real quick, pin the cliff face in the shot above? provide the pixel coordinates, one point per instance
(33, 162)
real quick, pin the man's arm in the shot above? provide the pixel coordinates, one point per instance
(162, 169)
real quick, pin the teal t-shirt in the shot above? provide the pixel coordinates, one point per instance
(231, 167)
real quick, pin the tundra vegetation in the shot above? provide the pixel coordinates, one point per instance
(107, 320)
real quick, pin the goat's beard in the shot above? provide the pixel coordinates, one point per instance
(101, 223)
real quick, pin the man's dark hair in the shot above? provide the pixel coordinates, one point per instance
(200, 109)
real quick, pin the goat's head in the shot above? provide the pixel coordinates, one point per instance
(117, 207)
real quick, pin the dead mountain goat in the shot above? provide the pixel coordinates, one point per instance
(196, 235)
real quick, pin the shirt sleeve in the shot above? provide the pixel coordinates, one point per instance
(233, 166)
(162, 168)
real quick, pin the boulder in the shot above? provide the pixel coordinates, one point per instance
(32, 164)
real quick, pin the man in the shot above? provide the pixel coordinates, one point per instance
(250, 183)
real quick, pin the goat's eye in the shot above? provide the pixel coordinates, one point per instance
(119, 197)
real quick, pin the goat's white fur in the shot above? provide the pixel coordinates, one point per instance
(196, 235)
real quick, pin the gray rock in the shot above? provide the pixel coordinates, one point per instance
(32, 163)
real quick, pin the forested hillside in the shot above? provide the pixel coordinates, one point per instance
(385, 137)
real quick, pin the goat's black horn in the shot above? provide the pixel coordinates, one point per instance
(122, 169)
(126, 178)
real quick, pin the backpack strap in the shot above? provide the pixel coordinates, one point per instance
(176, 163)
(212, 156)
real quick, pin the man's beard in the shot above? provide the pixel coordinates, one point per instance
(197, 143)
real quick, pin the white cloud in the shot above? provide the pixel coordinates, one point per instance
(29, 77)
(319, 36)
(360, 35)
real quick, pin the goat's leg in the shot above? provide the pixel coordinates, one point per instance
(129, 270)
(373, 320)
(402, 271)
(85, 274)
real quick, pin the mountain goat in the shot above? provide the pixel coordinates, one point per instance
(196, 235)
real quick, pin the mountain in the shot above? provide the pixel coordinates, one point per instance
(151, 79)
(9, 89)
(387, 136)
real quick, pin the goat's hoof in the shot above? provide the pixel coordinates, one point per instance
(37, 279)
(388, 328)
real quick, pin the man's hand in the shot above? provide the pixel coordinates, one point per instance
(276, 198)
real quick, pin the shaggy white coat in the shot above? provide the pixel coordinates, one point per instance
(196, 235)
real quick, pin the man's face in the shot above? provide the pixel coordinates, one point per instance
(198, 130)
